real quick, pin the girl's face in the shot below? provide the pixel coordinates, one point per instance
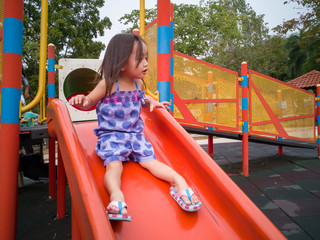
(132, 69)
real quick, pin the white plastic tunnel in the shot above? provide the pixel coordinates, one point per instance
(78, 76)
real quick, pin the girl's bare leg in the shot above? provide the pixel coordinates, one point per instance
(164, 172)
(112, 182)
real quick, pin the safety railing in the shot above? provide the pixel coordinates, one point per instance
(280, 110)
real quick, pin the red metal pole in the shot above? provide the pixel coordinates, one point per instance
(279, 98)
(210, 110)
(210, 145)
(318, 118)
(10, 124)
(280, 148)
(163, 51)
(52, 169)
(171, 60)
(52, 142)
(245, 127)
(61, 196)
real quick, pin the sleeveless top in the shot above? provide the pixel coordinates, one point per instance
(120, 111)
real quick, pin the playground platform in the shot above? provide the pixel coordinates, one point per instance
(286, 188)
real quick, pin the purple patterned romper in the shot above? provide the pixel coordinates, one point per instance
(120, 128)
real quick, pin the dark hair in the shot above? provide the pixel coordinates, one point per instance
(23, 73)
(117, 54)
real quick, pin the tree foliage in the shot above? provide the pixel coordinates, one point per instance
(234, 30)
(225, 33)
(72, 27)
(189, 30)
(308, 19)
(133, 18)
(304, 46)
(296, 55)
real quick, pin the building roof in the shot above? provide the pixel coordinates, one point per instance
(309, 79)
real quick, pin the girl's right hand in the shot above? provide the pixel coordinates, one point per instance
(80, 101)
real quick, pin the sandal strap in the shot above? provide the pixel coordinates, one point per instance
(119, 205)
(188, 193)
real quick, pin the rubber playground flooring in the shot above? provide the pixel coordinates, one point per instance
(285, 187)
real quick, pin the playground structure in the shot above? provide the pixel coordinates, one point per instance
(203, 96)
(206, 96)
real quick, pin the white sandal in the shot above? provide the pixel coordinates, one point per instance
(118, 216)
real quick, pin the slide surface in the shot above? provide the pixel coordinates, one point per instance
(226, 212)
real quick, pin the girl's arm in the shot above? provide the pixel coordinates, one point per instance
(150, 102)
(86, 102)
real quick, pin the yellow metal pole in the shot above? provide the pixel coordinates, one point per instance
(142, 34)
(43, 57)
(142, 18)
(43, 109)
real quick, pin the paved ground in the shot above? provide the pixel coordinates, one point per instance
(37, 215)
(286, 188)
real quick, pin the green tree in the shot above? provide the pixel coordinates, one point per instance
(187, 21)
(296, 55)
(235, 33)
(312, 50)
(72, 27)
(308, 19)
(270, 57)
(133, 19)
(225, 33)
(190, 32)
(304, 47)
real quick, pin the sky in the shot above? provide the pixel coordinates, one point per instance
(274, 10)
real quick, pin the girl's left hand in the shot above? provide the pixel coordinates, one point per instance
(156, 104)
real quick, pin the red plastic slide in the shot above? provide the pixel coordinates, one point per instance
(226, 212)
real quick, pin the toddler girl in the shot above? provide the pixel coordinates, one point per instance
(120, 97)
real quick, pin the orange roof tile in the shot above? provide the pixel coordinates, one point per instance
(309, 79)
